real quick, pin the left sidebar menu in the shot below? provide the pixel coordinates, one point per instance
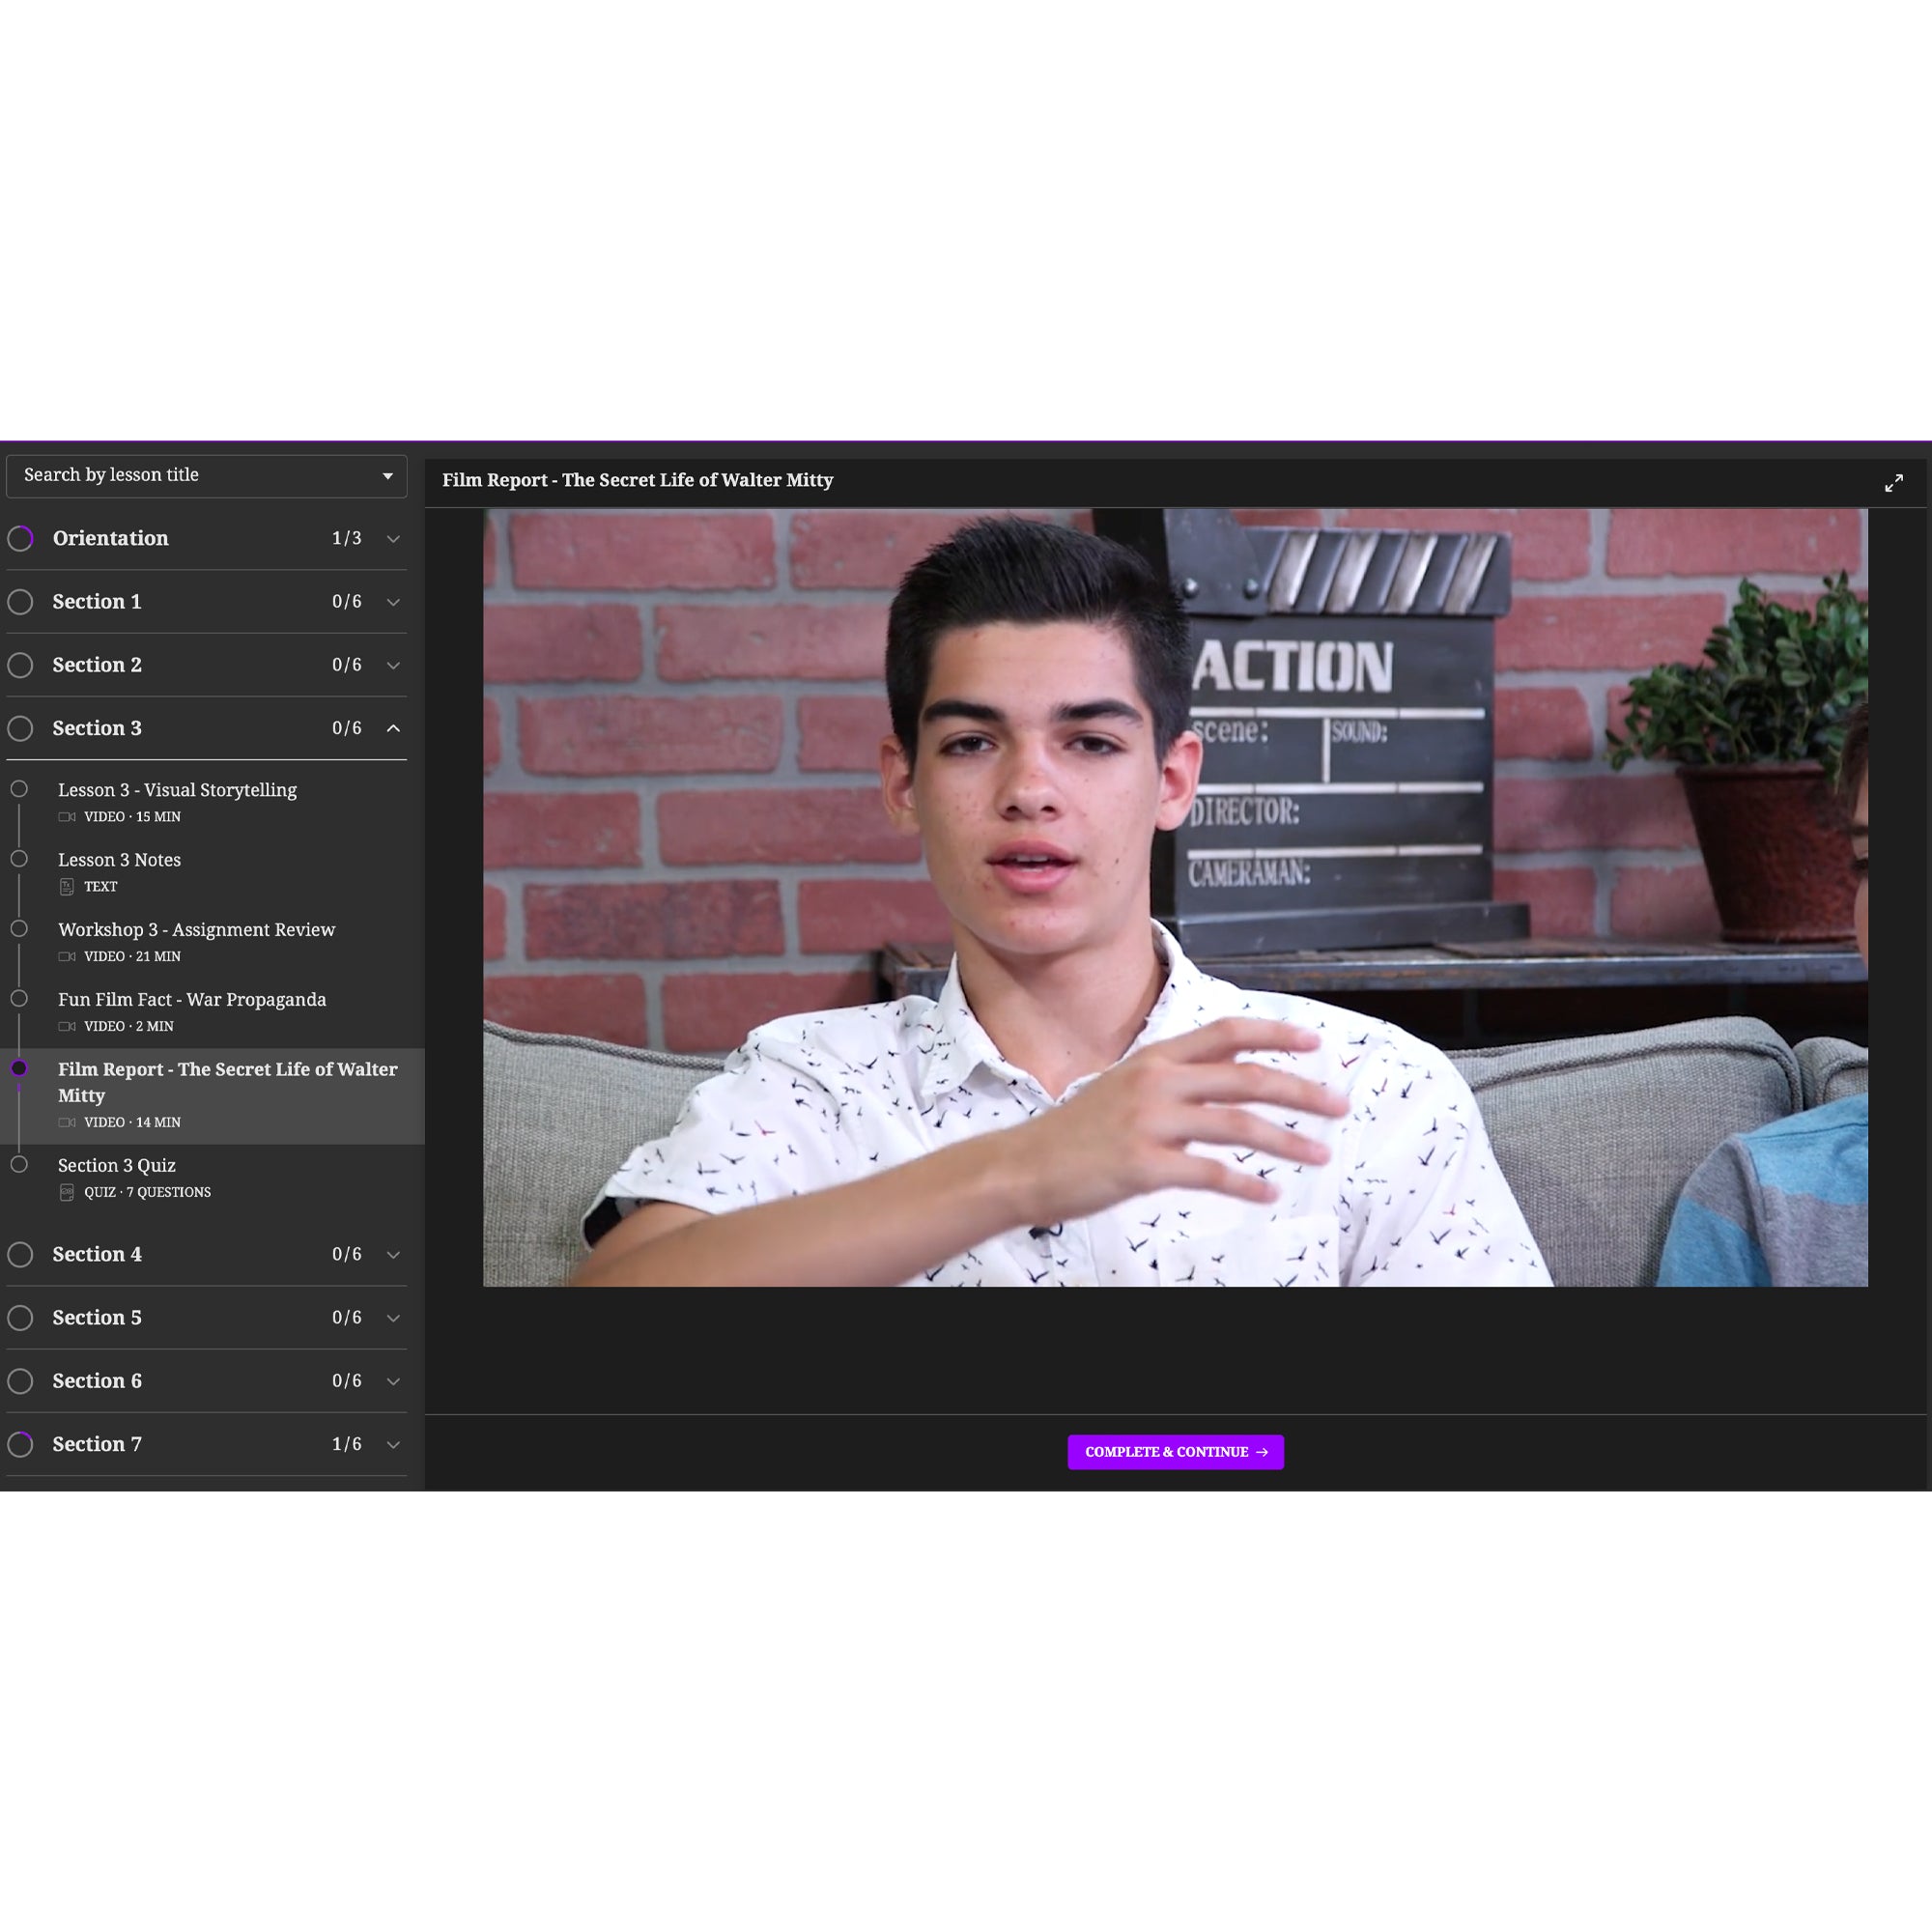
(214, 1190)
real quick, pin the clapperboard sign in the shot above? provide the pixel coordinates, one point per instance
(1344, 683)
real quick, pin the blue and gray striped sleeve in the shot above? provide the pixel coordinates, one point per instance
(1711, 1242)
(1786, 1207)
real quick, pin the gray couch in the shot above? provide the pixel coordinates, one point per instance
(1597, 1135)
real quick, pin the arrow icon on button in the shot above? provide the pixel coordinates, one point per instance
(395, 1382)
(395, 1318)
(388, 474)
(395, 727)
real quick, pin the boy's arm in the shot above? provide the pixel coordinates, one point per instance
(1124, 1135)
(875, 1232)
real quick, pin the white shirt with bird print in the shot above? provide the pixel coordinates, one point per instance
(1412, 1194)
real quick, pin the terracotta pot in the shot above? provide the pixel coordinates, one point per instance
(1777, 847)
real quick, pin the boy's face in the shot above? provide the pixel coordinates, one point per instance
(1862, 855)
(1036, 734)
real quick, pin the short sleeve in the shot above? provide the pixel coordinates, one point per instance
(759, 1130)
(1422, 1199)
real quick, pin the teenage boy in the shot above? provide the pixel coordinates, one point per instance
(1081, 1104)
(1790, 1205)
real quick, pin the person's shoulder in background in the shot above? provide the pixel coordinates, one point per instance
(1787, 1206)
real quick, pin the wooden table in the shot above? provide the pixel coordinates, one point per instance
(1487, 992)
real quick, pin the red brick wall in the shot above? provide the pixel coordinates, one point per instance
(682, 835)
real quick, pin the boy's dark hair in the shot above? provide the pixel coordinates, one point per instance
(1854, 753)
(1003, 570)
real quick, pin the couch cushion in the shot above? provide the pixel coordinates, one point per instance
(560, 1115)
(1598, 1136)
(1832, 1069)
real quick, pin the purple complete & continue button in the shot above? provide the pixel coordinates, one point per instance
(1176, 1452)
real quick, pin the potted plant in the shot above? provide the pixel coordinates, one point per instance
(1755, 727)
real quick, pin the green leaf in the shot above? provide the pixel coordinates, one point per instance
(1773, 682)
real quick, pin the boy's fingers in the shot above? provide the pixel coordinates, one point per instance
(1223, 1037)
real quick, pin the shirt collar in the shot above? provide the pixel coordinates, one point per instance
(952, 1045)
